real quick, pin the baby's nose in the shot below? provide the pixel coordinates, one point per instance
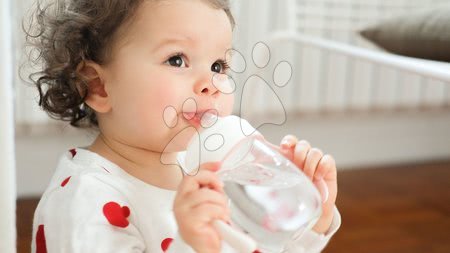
(205, 87)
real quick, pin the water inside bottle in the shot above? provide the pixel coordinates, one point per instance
(270, 197)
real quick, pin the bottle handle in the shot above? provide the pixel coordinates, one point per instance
(237, 239)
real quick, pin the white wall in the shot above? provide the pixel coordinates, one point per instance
(370, 140)
(37, 156)
(7, 164)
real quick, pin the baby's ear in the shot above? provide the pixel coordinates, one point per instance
(97, 97)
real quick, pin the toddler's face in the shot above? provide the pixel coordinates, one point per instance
(167, 58)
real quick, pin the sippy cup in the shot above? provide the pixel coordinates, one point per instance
(271, 200)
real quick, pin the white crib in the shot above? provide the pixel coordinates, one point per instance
(345, 95)
(336, 70)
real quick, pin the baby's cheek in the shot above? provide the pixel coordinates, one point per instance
(163, 97)
(225, 104)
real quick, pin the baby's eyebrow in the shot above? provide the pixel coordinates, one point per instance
(174, 40)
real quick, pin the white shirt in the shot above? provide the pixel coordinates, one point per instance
(92, 205)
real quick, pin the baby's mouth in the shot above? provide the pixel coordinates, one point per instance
(200, 118)
(193, 118)
(189, 115)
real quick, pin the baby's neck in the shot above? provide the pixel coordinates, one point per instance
(143, 164)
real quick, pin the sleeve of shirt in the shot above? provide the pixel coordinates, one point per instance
(312, 242)
(86, 214)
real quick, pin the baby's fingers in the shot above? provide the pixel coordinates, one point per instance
(312, 161)
(211, 166)
(326, 169)
(301, 151)
(205, 195)
(204, 178)
(288, 141)
(208, 212)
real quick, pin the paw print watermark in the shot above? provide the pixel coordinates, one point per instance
(257, 85)
(281, 75)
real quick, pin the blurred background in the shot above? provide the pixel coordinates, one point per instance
(367, 81)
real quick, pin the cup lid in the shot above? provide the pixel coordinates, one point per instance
(212, 143)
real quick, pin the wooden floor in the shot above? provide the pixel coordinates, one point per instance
(397, 209)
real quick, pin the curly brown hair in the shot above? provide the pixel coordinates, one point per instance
(66, 33)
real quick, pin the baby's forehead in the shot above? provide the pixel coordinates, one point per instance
(185, 18)
(188, 29)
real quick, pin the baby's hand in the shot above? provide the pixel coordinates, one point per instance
(200, 200)
(316, 166)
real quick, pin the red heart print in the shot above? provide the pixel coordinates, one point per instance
(73, 152)
(65, 182)
(166, 243)
(41, 246)
(116, 215)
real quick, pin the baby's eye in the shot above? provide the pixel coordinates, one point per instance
(176, 61)
(219, 66)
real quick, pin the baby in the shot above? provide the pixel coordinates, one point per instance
(116, 66)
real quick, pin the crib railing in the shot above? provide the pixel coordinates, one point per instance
(368, 79)
(334, 69)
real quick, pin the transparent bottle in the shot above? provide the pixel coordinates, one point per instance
(272, 201)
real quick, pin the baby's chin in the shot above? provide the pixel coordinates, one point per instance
(169, 153)
(178, 141)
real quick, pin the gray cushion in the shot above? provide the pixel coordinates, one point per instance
(424, 34)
